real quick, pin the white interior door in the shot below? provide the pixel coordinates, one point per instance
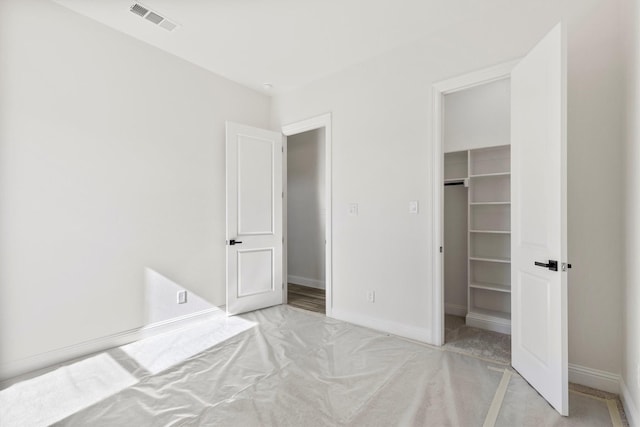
(538, 218)
(254, 218)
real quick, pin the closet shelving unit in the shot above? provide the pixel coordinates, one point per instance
(489, 248)
(488, 176)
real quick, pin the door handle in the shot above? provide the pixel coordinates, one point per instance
(552, 265)
(234, 242)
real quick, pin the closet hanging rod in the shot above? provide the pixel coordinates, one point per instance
(464, 182)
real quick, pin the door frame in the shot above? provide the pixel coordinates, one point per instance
(440, 89)
(318, 122)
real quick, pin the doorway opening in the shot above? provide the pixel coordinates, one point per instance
(306, 217)
(307, 201)
(475, 214)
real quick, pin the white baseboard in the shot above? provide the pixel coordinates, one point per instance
(594, 378)
(630, 408)
(490, 323)
(395, 328)
(53, 357)
(305, 281)
(455, 309)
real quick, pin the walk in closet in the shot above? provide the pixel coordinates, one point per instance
(477, 207)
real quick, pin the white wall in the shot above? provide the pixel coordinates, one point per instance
(631, 355)
(306, 210)
(477, 117)
(111, 162)
(382, 137)
(595, 188)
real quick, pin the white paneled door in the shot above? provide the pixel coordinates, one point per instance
(254, 218)
(538, 218)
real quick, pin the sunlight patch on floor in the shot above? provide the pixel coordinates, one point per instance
(158, 353)
(55, 395)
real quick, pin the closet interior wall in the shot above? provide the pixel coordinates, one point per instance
(455, 234)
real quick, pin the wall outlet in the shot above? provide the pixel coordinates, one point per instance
(371, 296)
(182, 297)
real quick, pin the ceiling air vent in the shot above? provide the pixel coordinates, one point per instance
(139, 10)
(168, 25)
(154, 17)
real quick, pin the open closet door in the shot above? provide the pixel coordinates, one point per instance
(538, 219)
(254, 218)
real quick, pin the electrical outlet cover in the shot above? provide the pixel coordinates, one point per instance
(371, 296)
(182, 297)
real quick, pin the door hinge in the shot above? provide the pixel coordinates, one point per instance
(283, 194)
(282, 148)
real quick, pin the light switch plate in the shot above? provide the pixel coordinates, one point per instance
(353, 209)
(413, 207)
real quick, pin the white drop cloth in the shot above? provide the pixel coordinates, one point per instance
(286, 367)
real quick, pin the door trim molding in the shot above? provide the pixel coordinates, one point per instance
(318, 122)
(440, 89)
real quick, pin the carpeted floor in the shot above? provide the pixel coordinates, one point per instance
(476, 342)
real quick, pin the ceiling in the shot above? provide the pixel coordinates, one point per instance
(287, 43)
(290, 43)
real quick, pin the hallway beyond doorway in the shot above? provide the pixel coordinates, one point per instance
(306, 298)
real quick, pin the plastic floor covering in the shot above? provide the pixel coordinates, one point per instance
(282, 366)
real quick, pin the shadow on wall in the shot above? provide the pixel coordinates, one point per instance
(161, 299)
